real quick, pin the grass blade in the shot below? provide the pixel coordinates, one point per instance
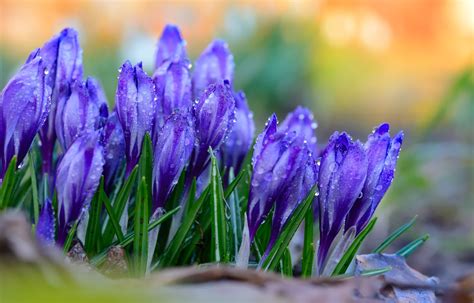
(349, 255)
(140, 242)
(119, 206)
(235, 181)
(394, 236)
(235, 218)
(8, 184)
(412, 246)
(70, 237)
(34, 187)
(288, 232)
(171, 253)
(375, 272)
(93, 231)
(219, 251)
(308, 245)
(113, 219)
(285, 264)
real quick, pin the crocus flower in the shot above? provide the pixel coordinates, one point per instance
(173, 148)
(343, 169)
(294, 192)
(77, 177)
(114, 149)
(135, 105)
(301, 120)
(173, 90)
(171, 46)
(62, 57)
(45, 228)
(277, 158)
(382, 154)
(24, 106)
(215, 64)
(238, 143)
(80, 113)
(214, 114)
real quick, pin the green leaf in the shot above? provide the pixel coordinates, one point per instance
(140, 242)
(375, 272)
(308, 245)
(288, 231)
(145, 164)
(285, 263)
(93, 232)
(70, 237)
(349, 255)
(394, 236)
(219, 247)
(412, 246)
(130, 237)
(119, 206)
(112, 216)
(8, 185)
(235, 217)
(235, 181)
(34, 187)
(171, 253)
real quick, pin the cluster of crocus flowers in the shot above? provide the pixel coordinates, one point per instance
(186, 112)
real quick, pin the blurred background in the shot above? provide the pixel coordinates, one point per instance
(354, 63)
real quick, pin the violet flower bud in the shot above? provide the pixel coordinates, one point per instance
(215, 64)
(135, 101)
(276, 159)
(98, 98)
(173, 90)
(382, 154)
(171, 46)
(238, 143)
(45, 228)
(342, 172)
(214, 114)
(295, 191)
(114, 149)
(301, 120)
(77, 178)
(172, 151)
(62, 56)
(24, 105)
(79, 113)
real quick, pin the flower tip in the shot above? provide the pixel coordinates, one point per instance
(383, 128)
(171, 31)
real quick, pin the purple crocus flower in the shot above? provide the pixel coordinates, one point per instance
(84, 111)
(343, 169)
(295, 190)
(382, 153)
(45, 229)
(214, 114)
(171, 46)
(135, 105)
(301, 121)
(62, 56)
(215, 64)
(24, 106)
(276, 160)
(238, 143)
(77, 177)
(173, 90)
(114, 149)
(173, 149)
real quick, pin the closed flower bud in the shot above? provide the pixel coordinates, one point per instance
(77, 177)
(238, 143)
(173, 148)
(135, 101)
(78, 114)
(171, 46)
(214, 65)
(301, 121)
(173, 90)
(98, 98)
(24, 106)
(214, 115)
(277, 158)
(382, 154)
(62, 56)
(342, 172)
